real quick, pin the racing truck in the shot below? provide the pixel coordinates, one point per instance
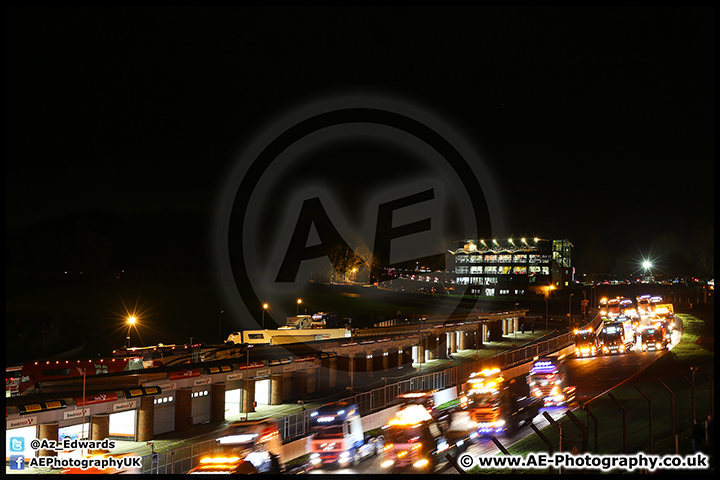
(497, 405)
(439, 403)
(627, 308)
(617, 337)
(338, 438)
(414, 441)
(245, 447)
(586, 342)
(613, 308)
(643, 305)
(654, 337)
(664, 311)
(546, 380)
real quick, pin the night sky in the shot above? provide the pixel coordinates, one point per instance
(122, 124)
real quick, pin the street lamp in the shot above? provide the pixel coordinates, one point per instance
(549, 289)
(131, 321)
(265, 307)
(647, 266)
(516, 320)
(299, 301)
(570, 309)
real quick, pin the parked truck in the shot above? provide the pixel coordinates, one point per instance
(338, 438)
(498, 405)
(547, 380)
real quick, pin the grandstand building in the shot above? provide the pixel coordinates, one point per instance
(512, 267)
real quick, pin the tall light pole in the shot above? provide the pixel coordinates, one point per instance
(570, 310)
(516, 320)
(131, 322)
(265, 307)
(299, 301)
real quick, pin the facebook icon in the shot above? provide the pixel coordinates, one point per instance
(17, 462)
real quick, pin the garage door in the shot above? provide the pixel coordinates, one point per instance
(201, 404)
(164, 413)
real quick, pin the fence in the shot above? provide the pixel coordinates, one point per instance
(177, 461)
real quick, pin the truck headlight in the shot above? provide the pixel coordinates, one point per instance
(387, 463)
(420, 463)
(314, 455)
(658, 346)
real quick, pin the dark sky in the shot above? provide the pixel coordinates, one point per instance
(597, 122)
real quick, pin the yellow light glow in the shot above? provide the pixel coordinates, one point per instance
(220, 460)
(410, 415)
